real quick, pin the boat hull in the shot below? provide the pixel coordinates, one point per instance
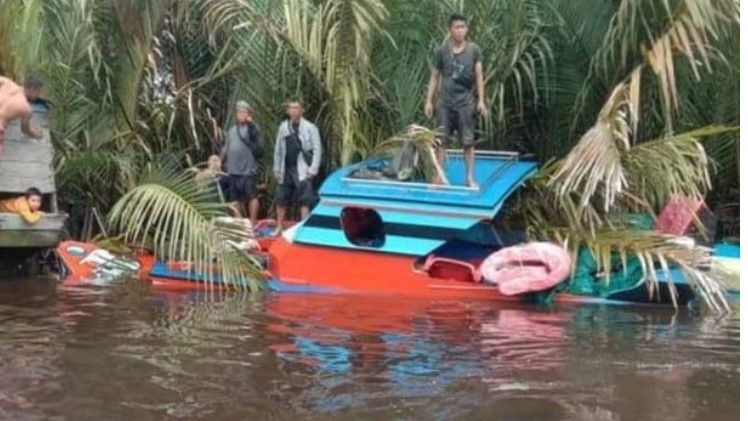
(361, 272)
(353, 271)
(79, 272)
(298, 268)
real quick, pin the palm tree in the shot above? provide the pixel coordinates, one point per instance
(610, 169)
(133, 80)
(328, 44)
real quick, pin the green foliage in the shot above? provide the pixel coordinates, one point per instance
(423, 140)
(182, 221)
(130, 80)
(138, 78)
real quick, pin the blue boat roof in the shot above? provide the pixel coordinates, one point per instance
(497, 176)
(417, 217)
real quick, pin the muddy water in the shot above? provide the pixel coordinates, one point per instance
(126, 352)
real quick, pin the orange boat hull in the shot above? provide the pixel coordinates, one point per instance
(354, 271)
(325, 269)
(82, 273)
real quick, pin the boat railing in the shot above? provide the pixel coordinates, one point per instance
(508, 155)
(507, 158)
(415, 184)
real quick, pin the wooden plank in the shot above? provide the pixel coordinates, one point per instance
(49, 221)
(27, 150)
(26, 239)
(25, 169)
(16, 233)
(26, 162)
(20, 184)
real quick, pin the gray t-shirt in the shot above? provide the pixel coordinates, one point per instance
(458, 73)
(239, 158)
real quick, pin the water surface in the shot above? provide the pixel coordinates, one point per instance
(126, 352)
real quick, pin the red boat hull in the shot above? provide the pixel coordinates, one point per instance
(329, 269)
(82, 273)
(354, 271)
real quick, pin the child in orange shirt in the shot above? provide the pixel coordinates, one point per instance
(27, 206)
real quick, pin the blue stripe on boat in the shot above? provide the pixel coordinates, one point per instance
(392, 243)
(160, 270)
(405, 216)
(276, 285)
(727, 250)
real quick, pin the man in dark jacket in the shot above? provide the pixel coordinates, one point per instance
(241, 157)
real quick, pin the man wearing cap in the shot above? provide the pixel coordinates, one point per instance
(241, 157)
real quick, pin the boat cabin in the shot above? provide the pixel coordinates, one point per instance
(414, 218)
(24, 163)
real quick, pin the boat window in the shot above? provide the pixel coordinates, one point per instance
(363, 227)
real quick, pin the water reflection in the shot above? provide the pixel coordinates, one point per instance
(130, 353)
(559, 359)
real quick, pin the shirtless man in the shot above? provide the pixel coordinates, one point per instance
(13, 105)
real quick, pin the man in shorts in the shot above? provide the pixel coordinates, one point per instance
(458, 63)
(241, 158)
(296, 160)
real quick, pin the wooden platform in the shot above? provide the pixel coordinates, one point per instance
(16, 233)
(24, 163)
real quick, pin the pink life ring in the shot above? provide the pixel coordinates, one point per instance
(527, 268)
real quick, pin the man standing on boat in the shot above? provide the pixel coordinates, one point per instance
(298, 152)
(457, 64)
(241, 157)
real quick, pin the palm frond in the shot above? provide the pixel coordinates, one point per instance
(424, 141)
(689, 34)
(333, 41)
(656, 253)
(594, 168)
(102, 173)
(638, 23)
(518, 60)
(674, 165)
(185, 223)
(638, 30)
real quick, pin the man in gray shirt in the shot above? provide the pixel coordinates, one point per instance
(241, 157)
(458, 63)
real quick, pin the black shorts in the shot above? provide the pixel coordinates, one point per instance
(239, 188)
(300, 193)
(460, 120)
